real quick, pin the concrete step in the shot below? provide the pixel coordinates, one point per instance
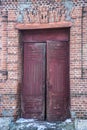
(31, 124)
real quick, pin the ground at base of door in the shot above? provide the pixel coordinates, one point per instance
(31, 124)
(23, 124)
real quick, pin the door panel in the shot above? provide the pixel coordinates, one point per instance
(45, 91)
(57, 80)
(34, 81)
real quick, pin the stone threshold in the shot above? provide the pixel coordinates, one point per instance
(33, 124)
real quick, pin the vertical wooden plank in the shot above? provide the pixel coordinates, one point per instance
(33, 81)
(57, 80)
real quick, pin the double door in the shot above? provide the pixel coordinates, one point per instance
(45, 91)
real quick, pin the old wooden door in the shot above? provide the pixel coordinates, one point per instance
(57, 80)
(46, 80)
(33, 81)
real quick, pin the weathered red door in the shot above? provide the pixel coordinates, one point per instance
(57, 80)
(46, 80)
(33, 81)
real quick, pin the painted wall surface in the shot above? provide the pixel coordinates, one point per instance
(41, 12)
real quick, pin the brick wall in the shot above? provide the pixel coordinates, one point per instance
(41, 12)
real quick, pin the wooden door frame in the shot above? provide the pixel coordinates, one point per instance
(42, 42)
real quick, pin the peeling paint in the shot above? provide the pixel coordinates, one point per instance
(69, 6)
(12, 97)
(21, 8)
(27, 12)
(7, 112)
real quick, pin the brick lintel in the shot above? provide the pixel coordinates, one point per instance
(43, 25)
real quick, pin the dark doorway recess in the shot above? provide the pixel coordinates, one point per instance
(46, 91)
